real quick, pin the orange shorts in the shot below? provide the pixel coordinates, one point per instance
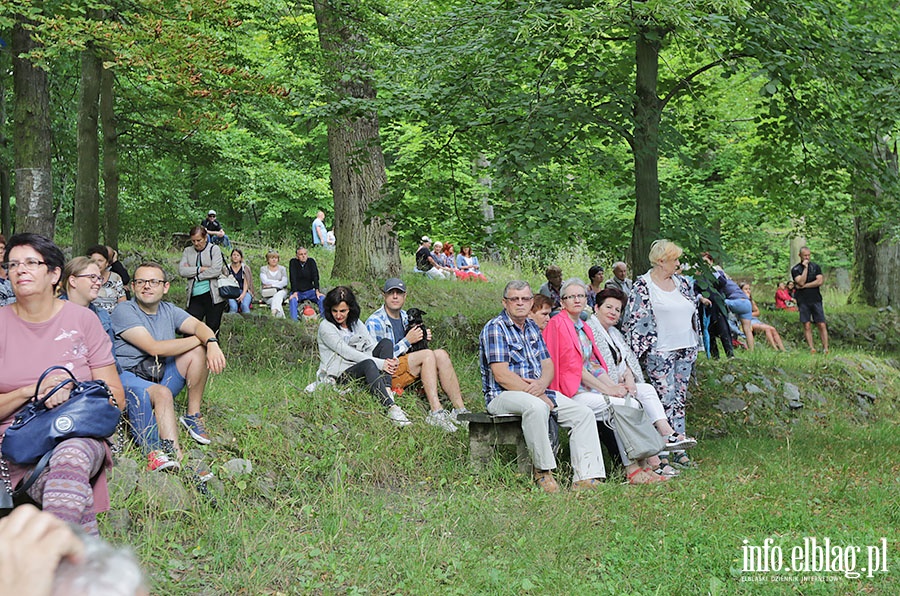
(402, 378)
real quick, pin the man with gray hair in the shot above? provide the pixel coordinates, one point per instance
(516, 372)
(620, 280)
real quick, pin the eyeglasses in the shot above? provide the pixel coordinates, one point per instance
(31, 265)
(519, 299)
(91, 276)
(574, 297)
(153, 283)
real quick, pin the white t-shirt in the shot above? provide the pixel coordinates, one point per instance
(674, 319)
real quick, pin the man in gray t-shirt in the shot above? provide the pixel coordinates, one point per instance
(157, 364)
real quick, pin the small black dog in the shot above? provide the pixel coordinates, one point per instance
(415, 320)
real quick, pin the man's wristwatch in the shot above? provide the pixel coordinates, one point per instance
(214, 340)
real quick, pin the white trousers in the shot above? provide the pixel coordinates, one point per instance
(276, 303)
(584, 443)
(646, 396)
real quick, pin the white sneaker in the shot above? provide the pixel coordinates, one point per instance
(398, 416)
(441, 418)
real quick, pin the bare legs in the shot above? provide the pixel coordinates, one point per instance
(192, 366)
(433, 366)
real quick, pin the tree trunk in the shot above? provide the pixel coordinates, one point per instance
(5, 166)
(876, 259)
(366, 248)
(86, 221)
(31, 137)
(647, 110)
(110, 158)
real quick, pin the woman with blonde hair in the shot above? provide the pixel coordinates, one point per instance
(663, 330)
(274, 280)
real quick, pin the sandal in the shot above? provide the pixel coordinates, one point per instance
(666, 471)
(641, 476)
(676, 442)
(680, 459)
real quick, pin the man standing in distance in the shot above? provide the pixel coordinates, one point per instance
(516, 370)
(319, 231)
(808, 277)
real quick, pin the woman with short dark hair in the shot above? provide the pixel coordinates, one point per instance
(112, 290)
(347, 352)
(39, 331)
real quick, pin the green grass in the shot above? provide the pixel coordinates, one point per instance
(341, 502)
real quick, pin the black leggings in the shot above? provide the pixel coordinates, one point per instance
(202, 307)
(378, 381)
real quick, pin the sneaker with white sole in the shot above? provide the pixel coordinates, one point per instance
(158, 461)
(441, 419)
(195, 427)
(398, 416)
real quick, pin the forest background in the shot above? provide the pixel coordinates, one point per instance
(515, 126)
(519, 127)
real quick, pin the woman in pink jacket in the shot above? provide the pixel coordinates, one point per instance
(580, 371)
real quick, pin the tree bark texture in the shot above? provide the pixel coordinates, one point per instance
(110, 158)
(367, 247)
(876, 262)
(31, 138)
(5, 166)
(647, 111)
(86, 221)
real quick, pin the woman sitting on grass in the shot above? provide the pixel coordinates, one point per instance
(274, 279)
(580, 371)
(466, 263)
(783, 298)
(347, 352)
(772, 335)
(241, 272)
(80, 284)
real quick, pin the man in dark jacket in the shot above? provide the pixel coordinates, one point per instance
(304, 274)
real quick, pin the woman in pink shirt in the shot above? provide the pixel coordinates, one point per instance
(37, 332)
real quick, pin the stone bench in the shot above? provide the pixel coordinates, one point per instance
(487, 432)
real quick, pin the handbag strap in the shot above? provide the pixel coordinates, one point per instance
(32, 478)
(35, 474)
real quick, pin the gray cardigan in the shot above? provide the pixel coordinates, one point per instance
(211, 257)
(338, 353)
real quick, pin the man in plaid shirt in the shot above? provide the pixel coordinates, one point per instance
(516, 370)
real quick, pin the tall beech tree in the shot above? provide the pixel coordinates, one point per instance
(32, 134)
(366, 244)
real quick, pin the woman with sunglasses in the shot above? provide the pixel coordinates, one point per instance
(38, 332)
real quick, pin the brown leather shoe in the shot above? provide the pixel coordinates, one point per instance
(544, 479)
(587, 484)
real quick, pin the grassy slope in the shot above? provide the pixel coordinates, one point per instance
(341, 502)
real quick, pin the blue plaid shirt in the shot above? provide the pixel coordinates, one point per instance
(523, 349)
(379, 327)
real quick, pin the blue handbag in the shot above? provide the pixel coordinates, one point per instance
(37, 430)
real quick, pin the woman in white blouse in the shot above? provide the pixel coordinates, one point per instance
(662, 328)
(274, 280)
